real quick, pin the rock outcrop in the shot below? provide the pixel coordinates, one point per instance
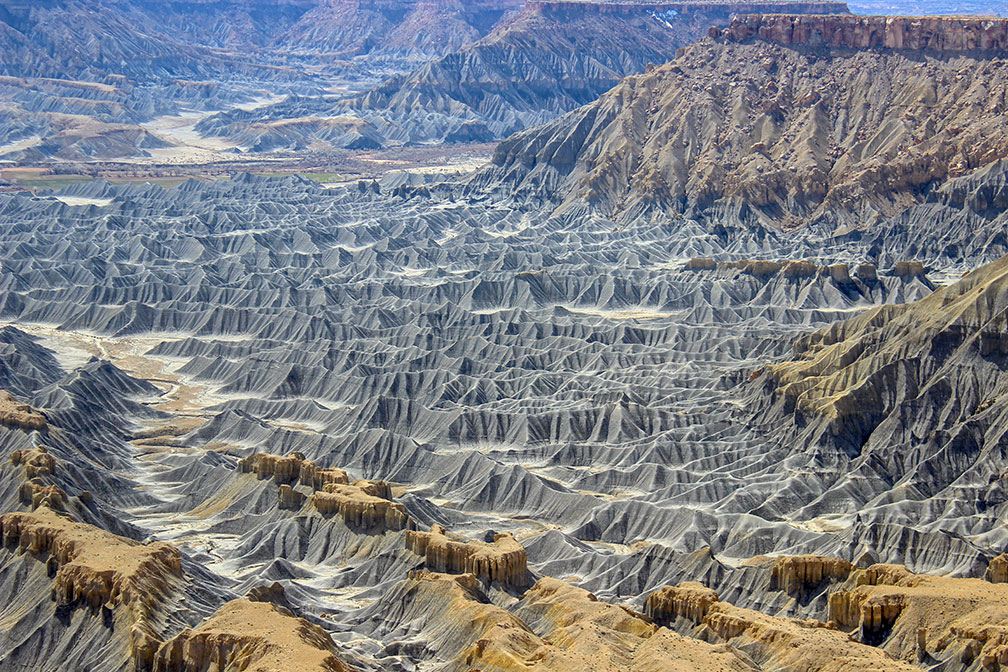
(361, 509)
(690, 600)
(99, 570)
(912, 616)
(997, 570)
(912, 33)
(36, 461)
(363, 504)
(504, 560)
(35, 494)
(796, 573)
(18, 414)
(293, 468)
(251, 637)
(773, 642)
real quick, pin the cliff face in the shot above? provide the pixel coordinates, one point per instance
(690, 600)
(914, 616)
(251, 637)
(997, 570)
(360, 509)
(99, 570)
(936, 33)
(773, 642)
(793, 574)
(504, 560)
(784, 134)
(363, 504)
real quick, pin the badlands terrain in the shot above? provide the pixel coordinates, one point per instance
(703, 368)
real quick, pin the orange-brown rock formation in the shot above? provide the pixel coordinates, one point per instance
(251, 637)
(912, 615)
(792, 574)
(932, 33)
(785, 644)
(997, 569)
(98, 569)
(290, 469)
(36, 461)
(690, 600)
(364, 504)
(573, 631)
(14, 413)
(359, 508)
(34, 494)
(504, 560)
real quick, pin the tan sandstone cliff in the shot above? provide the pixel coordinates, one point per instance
(250, 637)
(504, 560)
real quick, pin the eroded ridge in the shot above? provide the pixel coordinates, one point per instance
(772, 642)
(253, 637)
(916, 616)
(99, 570)
(504, 560)
(554, 627)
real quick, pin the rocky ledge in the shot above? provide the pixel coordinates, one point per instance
(504, 560)
(914, 615)
(251, 636)
(772, 642)
(291, 468)
(100, 570)
(363, 504)
(932, 33)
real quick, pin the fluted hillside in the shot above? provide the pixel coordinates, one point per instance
(786, 120)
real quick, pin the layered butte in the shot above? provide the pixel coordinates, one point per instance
(784, 120)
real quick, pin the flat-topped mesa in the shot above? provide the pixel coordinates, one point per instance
(793, 574)
(99, 569)
(359, 508)
(253, 637)
(36, 461)
(916, 615)
(290, 469)
(997, 569)
(576, 8)
(18, 414)
(931, 33)
(689, 599)
(504, 560)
